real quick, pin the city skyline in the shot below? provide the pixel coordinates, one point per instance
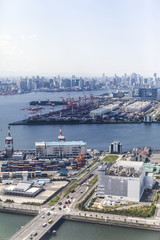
(79, 37)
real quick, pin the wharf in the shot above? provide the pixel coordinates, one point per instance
(45, 103)
(66, 122)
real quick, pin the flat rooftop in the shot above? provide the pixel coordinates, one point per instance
(155, 157)
(123, 169)
(49, 190)
(134, 164)
(67, 143)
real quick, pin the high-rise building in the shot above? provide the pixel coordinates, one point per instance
(155, 75)
(148, 118)
(148, 93)
(23, 85)
(115, 147)
(66, 83)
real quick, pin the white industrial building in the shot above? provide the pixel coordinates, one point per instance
(24, 189)
(123, 180)
(104, 110)
(60, 149)
(138, 107)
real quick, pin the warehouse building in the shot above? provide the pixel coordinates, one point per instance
(138, 107)
(123, 180)
(60, 149)
(24, 189)
(104, 110)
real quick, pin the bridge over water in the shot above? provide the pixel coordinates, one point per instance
(39, 225)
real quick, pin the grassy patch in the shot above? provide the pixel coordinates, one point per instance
(93, 181)
(32, 203)
(9, 201)
(72, 187)
(93, 162)
(141, 211)
(54, 201)
(156, 197)
(80, 205)
(85, 170)
(110, 158)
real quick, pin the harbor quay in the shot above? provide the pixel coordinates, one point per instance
(92, 110)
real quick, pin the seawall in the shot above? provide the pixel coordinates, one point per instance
(24, 211)
(109, 222)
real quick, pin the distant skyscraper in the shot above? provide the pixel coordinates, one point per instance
(73, 77)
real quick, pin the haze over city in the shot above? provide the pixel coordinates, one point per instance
(79, 119)
(86, 37)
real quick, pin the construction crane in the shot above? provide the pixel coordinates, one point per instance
(64, 103)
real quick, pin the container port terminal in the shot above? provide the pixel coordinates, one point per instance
(90, 110)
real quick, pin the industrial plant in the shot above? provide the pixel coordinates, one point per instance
(90, 109)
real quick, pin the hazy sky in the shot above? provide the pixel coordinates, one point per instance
(80, 36)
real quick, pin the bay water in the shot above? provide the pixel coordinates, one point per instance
(97, 137)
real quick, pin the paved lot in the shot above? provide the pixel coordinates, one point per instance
(155, 157)
(50, 189)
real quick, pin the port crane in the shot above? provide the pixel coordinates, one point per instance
(33, 111)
